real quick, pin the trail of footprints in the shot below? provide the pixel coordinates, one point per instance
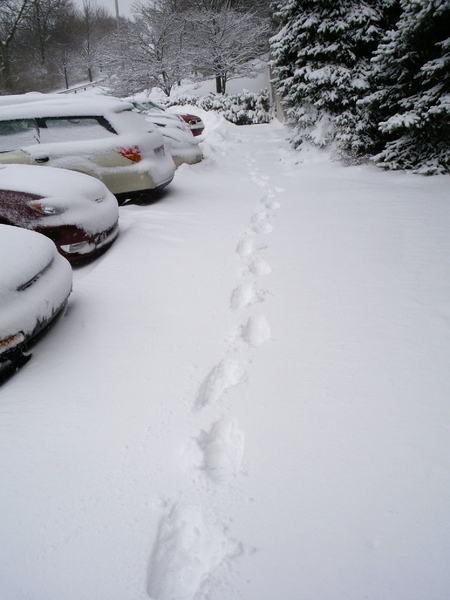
(189, 546)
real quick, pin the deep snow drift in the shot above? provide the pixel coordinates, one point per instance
(248, 397)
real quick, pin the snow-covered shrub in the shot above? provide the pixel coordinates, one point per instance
(246, 108)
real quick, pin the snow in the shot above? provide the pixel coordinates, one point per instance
(248, 395)
(78, 199)
(42, 105)
(25, 255)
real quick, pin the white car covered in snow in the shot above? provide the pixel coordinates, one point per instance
(178, 139)
(76, 211)
(35, 283)
(96, 135)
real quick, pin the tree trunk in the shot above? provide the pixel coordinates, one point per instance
(6, 78)
(220, 84)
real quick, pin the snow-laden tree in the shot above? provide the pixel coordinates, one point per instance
(152, 49)
(170, 40)
(224, 42)
(410, 109)
(320, 63)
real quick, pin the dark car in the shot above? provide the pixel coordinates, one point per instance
(76, 211)
(194, 122)
(35, 283)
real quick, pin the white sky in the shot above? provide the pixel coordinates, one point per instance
(124, 6)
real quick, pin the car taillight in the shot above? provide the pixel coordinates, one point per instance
(133, 153)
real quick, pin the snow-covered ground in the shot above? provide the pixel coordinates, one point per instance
(248, 397)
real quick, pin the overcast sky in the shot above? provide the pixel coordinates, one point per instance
(124, 6)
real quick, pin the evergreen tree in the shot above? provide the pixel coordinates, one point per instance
(321, 60)
(409, 113)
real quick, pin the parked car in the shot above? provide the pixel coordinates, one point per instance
(35, 283)
(194, 122)
(178, 141)
(97, 135)
(76, 211)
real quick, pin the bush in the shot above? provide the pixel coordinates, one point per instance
(246, 108)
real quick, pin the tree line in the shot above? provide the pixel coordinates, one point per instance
(52, 44)
(369, 78)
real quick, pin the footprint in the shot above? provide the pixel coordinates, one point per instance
(256, 331)
(258, 266)
(259, 217)
(223, 449)
(223, 376)
(245, 247)
(259, 180)
(187, 550)
(261, 227)
(272, 204)
(245, 295)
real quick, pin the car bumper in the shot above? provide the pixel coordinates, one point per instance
(89, 247)
(32, 311)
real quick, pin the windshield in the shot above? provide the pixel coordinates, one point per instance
(63, 129)
(18, 133)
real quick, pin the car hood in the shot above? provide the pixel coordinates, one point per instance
(49, 182)
(24, 255)
(35, 281)
(80, 199)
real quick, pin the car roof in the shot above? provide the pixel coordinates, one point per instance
(29, 106)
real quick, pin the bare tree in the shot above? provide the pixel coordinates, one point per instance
(43, 19)
(65, 43)
(96, 26)
(224, 43)
(12, 18)
(152, 48)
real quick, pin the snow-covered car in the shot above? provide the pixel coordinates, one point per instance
(35, 283)
(178, 140)
(97, 135)
(76, 211)
(194, 122)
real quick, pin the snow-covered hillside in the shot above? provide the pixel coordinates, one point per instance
(248, 397)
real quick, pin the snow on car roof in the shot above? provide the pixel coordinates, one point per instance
(29, 106)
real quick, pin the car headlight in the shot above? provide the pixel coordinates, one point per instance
(77, 248)
(45, 209)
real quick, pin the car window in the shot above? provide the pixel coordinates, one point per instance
(128, 121)
(152, 106)
(17, 134)
(67, 129)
